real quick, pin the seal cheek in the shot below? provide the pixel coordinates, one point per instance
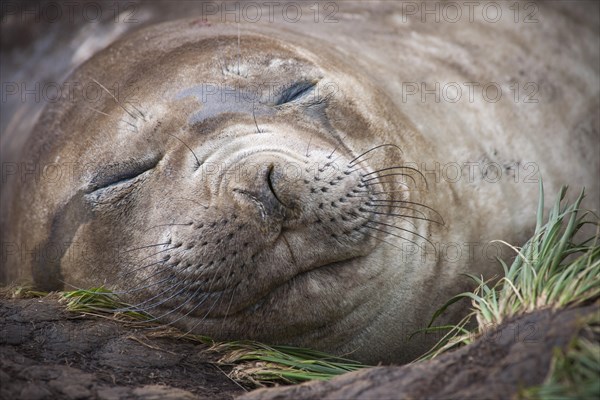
(65, 224)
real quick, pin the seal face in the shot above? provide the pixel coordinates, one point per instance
(222, 192)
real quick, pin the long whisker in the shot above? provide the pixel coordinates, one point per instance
(162, 294)
(405, 230)
(408, 188)
(123, 275)
(359, 162)
(397, 207)
(389, 192)
(204, 297)
(254, 117)
(114, 98)
(357, 193)
(411, 202)
(162, 251)
(146, 247)
(408, 221)
(397, 167)
(217, 301)
(194, 308)
(406, 216)
(230, 300)
(337, 147)
(136, 109)
(198, 163)
(190, 298)
(98, 111)
(373, 149)
(381, 240)
(351, 171)
(395, 174)
(308, 146)
(400, 167)
(393, 234)
(138, 288)
(206, 314)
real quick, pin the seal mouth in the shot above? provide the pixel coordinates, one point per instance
(262, 300)
(334, 264)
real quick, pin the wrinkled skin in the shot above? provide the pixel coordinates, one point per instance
(307, 215)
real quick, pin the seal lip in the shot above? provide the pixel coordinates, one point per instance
(262, 299)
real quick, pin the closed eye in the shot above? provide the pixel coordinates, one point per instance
(121, 173)
(295, 92)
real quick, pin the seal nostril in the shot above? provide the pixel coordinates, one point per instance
(271, 184)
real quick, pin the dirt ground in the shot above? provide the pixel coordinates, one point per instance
(49, 353)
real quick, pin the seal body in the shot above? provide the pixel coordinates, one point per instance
(324, 188)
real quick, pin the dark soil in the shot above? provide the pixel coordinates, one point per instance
(49, 353)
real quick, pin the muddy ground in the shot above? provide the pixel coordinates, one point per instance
(49, 353)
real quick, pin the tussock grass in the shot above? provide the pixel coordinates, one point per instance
(262, 365)
(553, 270)
(100, 301)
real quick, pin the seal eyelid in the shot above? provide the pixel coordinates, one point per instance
(295, 91)
(119, 173)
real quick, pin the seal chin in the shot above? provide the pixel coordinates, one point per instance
(282, 316)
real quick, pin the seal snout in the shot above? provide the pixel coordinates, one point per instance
(259, 189)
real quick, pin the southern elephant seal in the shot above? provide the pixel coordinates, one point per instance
(251, 181)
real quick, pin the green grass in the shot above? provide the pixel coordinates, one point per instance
(553, 270)
(262, 365)
(100, 301)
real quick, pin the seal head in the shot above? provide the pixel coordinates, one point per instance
(237, 191)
